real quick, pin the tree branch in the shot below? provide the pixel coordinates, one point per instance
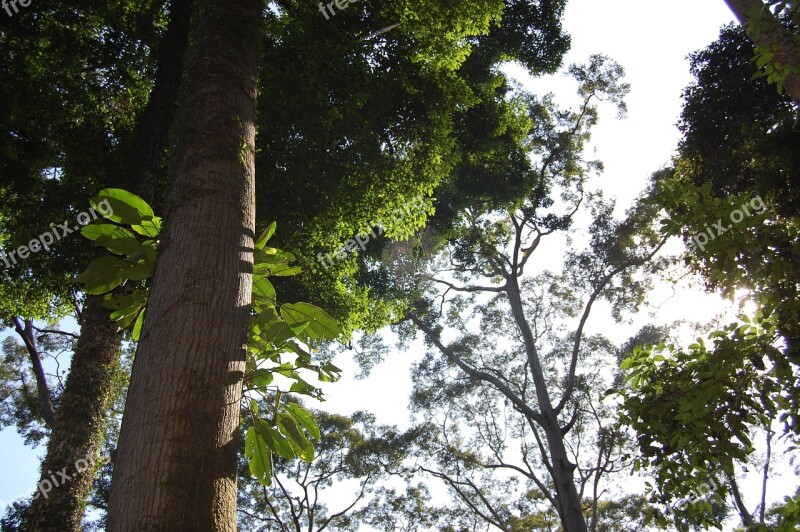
(26, 333)
(587, 310)
(472, 372)
(52, 331)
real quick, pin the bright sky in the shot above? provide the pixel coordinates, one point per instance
(654, 58)
(651, 41)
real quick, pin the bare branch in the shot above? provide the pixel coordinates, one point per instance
(472, 372)
(52, 331)
(26, 333)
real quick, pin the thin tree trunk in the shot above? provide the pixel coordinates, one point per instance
(569, 503)
(744, 514)
(77, 434)
(177, 455)
(79, 430)
(144, 173)
(772, 35)
(25, 331)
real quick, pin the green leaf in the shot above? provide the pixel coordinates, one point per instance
(304, 419)
(124, 320)
(262, 240)
(300, 386)
(262, 378)
(321, 326)
(284, 270)
(263, 288)
(125, 207)
(139, 272)
(275, 440)
(258, 456)
(277, 333)
(120, 245)
(298, 440)
(102, 275)
(137, 327)
(94, 231)
(151, 228)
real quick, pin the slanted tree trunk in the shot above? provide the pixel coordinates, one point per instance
(772, 35)
(176, 459)
(25, 331)
(76, 436)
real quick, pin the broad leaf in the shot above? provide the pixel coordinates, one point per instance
(258, 456)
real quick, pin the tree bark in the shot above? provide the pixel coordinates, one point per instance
(143, 173)
(77, 434)
(774, 36)
(80, 420)
(177, 455)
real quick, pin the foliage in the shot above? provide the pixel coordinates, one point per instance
(357, 457)
(775, 17)
(739, 135)
(370, 123)
(518, 435)
(694, 410)
(732, 198)
(285, 428)
(75, 75)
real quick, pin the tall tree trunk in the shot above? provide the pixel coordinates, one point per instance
(773, 35)
(78, 432)
(176, 459)
(569, 502)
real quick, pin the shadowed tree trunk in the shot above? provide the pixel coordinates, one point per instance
(77, 434)
(772, 35)
(78, 430)
(177, 455)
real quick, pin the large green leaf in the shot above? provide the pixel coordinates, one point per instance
(102, 275)
(117, 196)
(94, 231)
(137, 327)
(258, 456)
(121, 245)
(304, 419)
(262, 240)
(321, 325)
(121, 206)
(262, 288)
(275, 440)
(151, 228)
(298, 440)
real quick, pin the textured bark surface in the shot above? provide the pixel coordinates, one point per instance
(143, 172)
(773, 36)
(77, 433)
(176, 459)
(79, 428)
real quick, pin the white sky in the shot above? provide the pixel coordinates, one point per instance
(651, 41)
